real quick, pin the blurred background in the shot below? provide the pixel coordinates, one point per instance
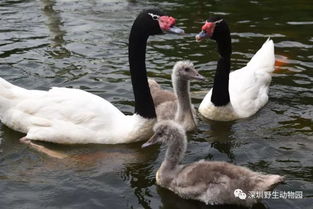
(83, 44)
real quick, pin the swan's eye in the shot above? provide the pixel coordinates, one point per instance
(187, 69)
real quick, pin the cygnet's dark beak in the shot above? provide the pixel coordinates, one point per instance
(199, 77)
(175, 30)
(153, 140)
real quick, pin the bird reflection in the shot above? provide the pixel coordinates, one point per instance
(141, 175)
(55, 23)
(221, 135)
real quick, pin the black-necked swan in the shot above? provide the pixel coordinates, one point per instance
(180, 109)
(241, 93)
(73, 116)
(212, 182)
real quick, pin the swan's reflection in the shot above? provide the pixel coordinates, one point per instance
(55, 23)
(141, 175)
(221, 136)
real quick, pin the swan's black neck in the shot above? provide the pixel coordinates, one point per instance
(220, 92)
(137, 53)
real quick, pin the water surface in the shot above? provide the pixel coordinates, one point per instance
(83, 44)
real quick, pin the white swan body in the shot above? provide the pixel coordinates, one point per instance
(64, 115)
(73, 116)
(247, 88)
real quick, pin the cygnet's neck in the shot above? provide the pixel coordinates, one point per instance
(184, 114)
(175, 152)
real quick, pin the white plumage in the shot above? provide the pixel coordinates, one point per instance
(248, 88)
(73, 116)
(64, 115)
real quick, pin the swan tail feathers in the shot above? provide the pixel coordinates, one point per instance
(264, 59)
(272, 181)
(9, 90)
(269, 182)
(5, 94)
(9, 93)
(5, 85)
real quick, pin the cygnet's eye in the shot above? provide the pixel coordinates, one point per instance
(187, 69)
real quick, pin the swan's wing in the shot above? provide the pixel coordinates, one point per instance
(208, 181)
(198, 175)
(187, 184)
(159, 95)
(264, 58)
(248, 91)
(248, 86)
(60, 113)
(166, 110)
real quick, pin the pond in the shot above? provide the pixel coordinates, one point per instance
(83, 44)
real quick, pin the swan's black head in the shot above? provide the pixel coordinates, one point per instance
(215, 28)
(155, 22)
(147, 23)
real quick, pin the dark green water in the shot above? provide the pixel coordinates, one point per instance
(83, 44)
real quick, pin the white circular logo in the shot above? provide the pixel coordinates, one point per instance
(240, 194)
(237, 192)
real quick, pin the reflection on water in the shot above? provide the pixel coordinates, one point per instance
(54, 23)
(83, 44)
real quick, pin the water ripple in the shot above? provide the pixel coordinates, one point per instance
(83, 44)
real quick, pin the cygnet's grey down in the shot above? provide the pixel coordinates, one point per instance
(160, 95)
(177, 106)
(211, 182)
